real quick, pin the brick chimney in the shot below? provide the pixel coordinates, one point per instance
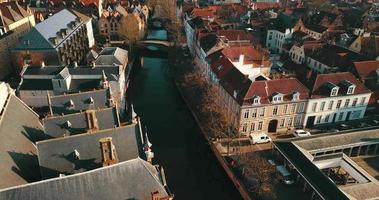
(92, 120)
(108, 151)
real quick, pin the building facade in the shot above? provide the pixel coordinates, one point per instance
(336, 97)
(13, 27)
(62, 39)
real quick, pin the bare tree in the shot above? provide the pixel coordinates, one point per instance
(259, 176)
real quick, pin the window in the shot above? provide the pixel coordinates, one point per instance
(314, 106)
(301, 107)
(354, 102)
(252, 128)
(246, 114)
(322, 106)
(256, 100)
(244, 128)
(318, 120)
(275, 110)
(297, 120)
(362, 101)
(289, 121)
(327, 118)
(356, 114)
(334, 92)
(254, 113)
(260, 124)
(285, 109)
(277, 99)
(262, 113)
(338, 104)
(340, 116)
(281, 124)
(330, 105)
(293, 108)
(347, 103)
(350, 90)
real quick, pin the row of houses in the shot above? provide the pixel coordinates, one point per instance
(243, 70)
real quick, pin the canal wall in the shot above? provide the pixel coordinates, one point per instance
(240, 187)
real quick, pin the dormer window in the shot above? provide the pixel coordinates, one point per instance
(295, 96)
(70, 104)
(91, 101)
(277, 97)
(235, 93)
(256, 100)
(67, 124)
(350, 89)
(334, 92)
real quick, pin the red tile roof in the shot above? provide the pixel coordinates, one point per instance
(12, 12)
(234, 35)
(89, 2)
(265, 89)
(203, 12)
(318, 90)
(366, 69)
(265, 5)
(251, 54)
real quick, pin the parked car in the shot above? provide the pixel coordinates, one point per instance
(375, 122)
(284, 175)
(363, 125)
(344, 127)
(334, 130)
(302, 133)
(259, 138)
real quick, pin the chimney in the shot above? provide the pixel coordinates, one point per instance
(242, 57)
(108, 151)
(155, 195)
(43, 64)
(75, 64)
(92, 121)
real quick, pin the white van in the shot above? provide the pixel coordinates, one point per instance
(285, 175)
(259, 138)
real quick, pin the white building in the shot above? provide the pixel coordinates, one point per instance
(336, 97)
(280, 30)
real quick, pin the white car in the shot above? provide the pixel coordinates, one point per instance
(302, 133)
(259, 138)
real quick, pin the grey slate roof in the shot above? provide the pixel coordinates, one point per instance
(56, 156)
(19, 126)
(57, 126)
(112, 55)
(39, 36)
(81, 101)
(133, 179)
(339, 139)
(313, 175)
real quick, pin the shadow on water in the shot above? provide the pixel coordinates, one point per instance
(191, 169)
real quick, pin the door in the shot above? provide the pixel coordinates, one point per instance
(272, 126)
(310, 121)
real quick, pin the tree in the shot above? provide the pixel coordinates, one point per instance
(258, 175)
(132, 28)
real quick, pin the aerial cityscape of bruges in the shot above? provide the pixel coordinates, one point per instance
(189, 99)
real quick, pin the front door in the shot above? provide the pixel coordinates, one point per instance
(272, 126)
(310, 122)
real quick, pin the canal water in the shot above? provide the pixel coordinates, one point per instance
(192, 171)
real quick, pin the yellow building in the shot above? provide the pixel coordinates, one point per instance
(15, 21)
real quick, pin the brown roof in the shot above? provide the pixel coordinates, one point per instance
(265, 89)
(366, 69)
(12, 12)
(234, 35)
(251, 54)
(318, 88)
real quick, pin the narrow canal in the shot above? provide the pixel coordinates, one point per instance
(192, 171)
